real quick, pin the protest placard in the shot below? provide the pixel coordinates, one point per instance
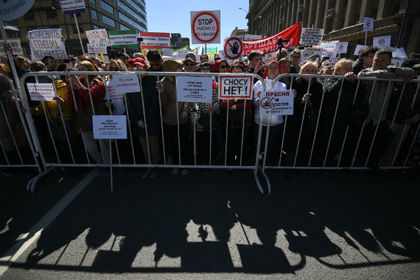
(274, 103)
(205, 27)
(168, 52)
(70, 7)
(328, 48)
(341, 47)
(96, 49)
(46, 42)
(123, 38)
(41, 91)
(98, 38)
(155, 40)
(311, 36)
(309, 51)
(368, 24)
(382, 42)
(194, 89)
(15, 44)
(235, 87)
(359, 48)
(109, 126)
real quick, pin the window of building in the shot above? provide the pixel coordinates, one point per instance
(134, 5)
(95, 27)
(94, 14)
(131, 22)
(108, 21)
(107, 7)
(123, 27)
(29, 16)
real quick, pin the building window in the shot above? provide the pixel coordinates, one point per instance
(107, 7)
(108, 21)
(131, 22)
(123, 27)
(94, 14)
(136, 7)
(29, 16)
(95, 27)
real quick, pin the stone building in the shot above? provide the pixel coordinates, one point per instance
(341, 19)
(108, 14)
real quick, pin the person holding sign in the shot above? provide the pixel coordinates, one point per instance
(114, 102)
(274, 122)
(83, 90)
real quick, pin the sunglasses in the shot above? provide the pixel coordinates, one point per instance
(224, 66)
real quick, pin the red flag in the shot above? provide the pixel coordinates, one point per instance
(268, 45)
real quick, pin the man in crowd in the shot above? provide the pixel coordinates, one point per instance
(383, 106)
(295, 58)
(204, 58)
(189, 65)
(365, 59)
(255, 63)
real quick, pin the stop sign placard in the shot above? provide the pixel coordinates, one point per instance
(205, 27)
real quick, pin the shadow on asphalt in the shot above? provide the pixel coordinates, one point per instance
(378, 212)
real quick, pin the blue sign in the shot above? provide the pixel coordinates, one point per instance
(13, 9)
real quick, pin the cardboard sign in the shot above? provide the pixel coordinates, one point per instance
(233, 47)
(194, 89)
(275, 103)
(341, 47)
(309, 51)
(368, 24)
(15, 44)
(205, 27)
(155, 40)
(359, 48)
(46, 42)
(311, 36)
(70, 7)
(382, 42)
(235, 87)
(41, 91)
(109, 126)
(98, 38)
(123, 38)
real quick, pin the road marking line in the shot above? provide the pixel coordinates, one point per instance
(17, 250)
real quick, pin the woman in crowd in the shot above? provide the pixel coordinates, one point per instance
(352, 109)
(82, 91)
(175, 120)
(274, 122)
(114, 102)
(306, 108)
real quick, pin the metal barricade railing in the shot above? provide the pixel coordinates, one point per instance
(206, 133)
(216, 137)
(17, 149)
(353, 146)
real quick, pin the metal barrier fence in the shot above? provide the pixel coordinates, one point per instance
(323, 133)
(17, 149)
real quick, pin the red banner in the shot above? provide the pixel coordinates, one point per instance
(268, 45)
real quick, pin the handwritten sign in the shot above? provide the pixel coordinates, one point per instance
(275, 103)
(46, 42)
(15, 44)
(194, 89)
(109, 127)
(311, 36)
(41, 91)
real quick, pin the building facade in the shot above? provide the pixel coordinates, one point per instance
(341, 19)
(108, 14)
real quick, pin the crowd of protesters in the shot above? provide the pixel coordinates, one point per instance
(338, 119)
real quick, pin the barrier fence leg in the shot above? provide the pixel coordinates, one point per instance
(111, 175)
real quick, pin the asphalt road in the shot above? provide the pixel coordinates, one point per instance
(214, 225)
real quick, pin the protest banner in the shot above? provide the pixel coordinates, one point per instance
(274, 103)
(341, 47)
(309, 51)
(41, 91)
(235, 87)
(46, 42)
(70, 7)
(311, 36)
(109, 126)
(123, 38)
(269, 44)
(194, 89)
(15, 44)
(205, 27)
(382, 42)
(155, 40)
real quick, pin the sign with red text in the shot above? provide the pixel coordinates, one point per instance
(205, 27)
(155, 40)
(341, 47)
(98, 38)
(275, 103)
(235, 87)
(368, 24)
(233, 48)
(41, 91)
(268, 45)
